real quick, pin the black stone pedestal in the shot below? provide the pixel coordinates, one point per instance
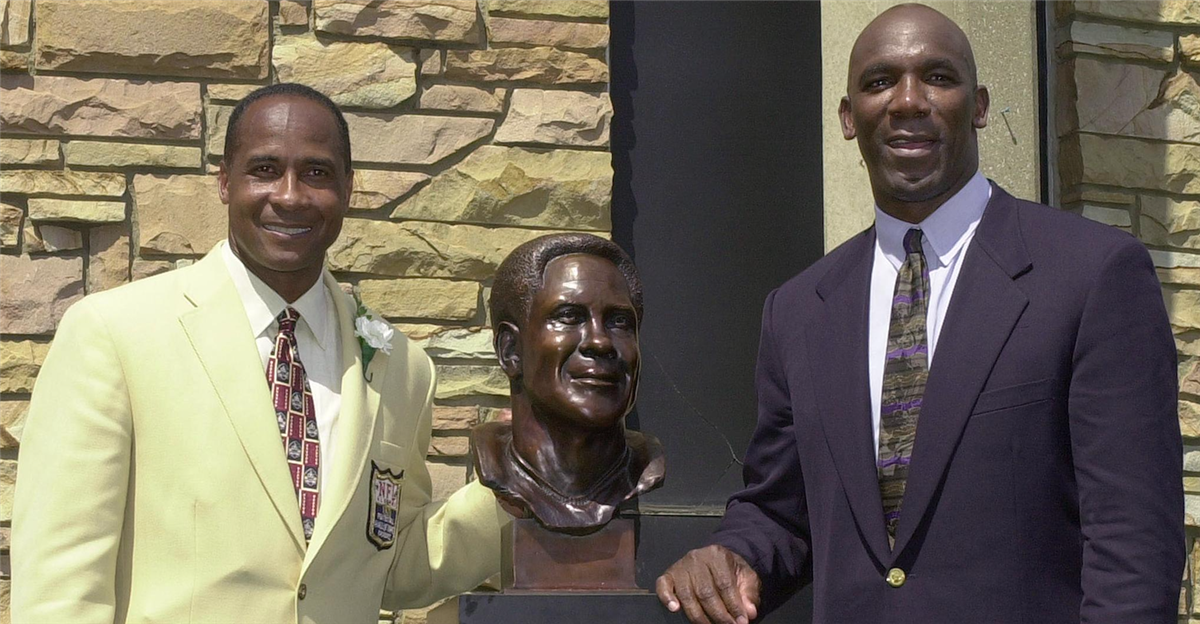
(609, 607)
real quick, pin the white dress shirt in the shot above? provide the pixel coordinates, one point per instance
(317, 338)
(946, 235)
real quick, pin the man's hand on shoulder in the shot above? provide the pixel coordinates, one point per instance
(711, 584)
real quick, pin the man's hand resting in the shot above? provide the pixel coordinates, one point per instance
(711, 584)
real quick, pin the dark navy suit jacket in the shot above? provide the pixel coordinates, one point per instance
(1045, 483)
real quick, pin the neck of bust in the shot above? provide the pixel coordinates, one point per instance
(569, 458)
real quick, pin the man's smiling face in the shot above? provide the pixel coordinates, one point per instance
(914, 106)
(287, 188)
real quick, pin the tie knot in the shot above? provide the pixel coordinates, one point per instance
(287, 320)
(912, 241)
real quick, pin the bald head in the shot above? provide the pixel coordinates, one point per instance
(909, 22)
(914, 103)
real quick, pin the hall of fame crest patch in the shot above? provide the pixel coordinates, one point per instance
(384, 506)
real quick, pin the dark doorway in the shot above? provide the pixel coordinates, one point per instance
(716, 144)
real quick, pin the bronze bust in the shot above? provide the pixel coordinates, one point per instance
(565, 312)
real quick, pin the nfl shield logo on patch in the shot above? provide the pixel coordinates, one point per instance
(384, 507)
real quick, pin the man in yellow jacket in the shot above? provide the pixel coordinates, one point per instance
(234, 441)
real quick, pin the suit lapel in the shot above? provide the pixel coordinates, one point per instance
(356, 421)
(984, 308)
(221, 336)
(837, 342)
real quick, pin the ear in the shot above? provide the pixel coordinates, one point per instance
(507, 345)
(982, 101)
(223, 182)
(846, 119)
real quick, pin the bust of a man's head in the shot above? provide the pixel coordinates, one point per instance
(565, 313)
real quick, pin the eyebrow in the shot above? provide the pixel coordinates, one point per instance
(940, 63)
(261, 158)
(882, 67)
(876, 68)
(272, 159)
(563, 301)
(318, 160)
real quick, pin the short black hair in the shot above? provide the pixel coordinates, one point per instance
(520, 275)
(286, 88)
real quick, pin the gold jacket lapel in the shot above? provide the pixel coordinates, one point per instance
(356, 420)
(221, 336)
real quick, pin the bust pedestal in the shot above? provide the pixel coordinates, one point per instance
(535, 559)
(559, 578)
(610, 607)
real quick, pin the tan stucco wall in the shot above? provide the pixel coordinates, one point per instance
(1003, 37)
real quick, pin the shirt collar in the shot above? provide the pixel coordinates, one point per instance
(946, 230)
(263, 305)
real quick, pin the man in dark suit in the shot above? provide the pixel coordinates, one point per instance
(1032, 473)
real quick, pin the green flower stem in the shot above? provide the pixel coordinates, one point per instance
(368, 352)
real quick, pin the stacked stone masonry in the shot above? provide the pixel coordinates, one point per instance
(1128, 125)
(475, 125)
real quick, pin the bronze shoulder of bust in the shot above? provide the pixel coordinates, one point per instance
(502, 469)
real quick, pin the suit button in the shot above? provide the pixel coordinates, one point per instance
(303, 591)
(895, 577)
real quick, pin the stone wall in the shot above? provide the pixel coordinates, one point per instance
(1128, 125)
(475, 125)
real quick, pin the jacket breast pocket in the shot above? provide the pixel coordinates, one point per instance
(393, 455)
(1018, 395)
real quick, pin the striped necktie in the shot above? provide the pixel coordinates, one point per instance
(904, 373)
(297, 416)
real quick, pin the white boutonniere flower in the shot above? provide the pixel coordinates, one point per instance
(374, 334)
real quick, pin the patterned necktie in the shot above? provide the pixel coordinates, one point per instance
(904, 373)
(297, 417)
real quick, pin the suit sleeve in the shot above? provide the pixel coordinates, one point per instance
(451, 546)
(1126, 446)
(767, 521)
(72, 479)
